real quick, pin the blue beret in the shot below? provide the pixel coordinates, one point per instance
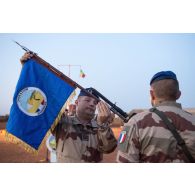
(163, 75)
(90, 90)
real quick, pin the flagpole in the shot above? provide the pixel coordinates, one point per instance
(55, 71)
(70, 66)
(68, 80)
(61, 75)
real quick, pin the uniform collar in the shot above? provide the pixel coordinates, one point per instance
(92, 124)
(169, 103)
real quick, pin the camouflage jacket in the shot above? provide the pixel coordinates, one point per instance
(145, 137)
(78, 143)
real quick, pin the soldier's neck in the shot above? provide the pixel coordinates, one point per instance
(83, 120)
(161, 101)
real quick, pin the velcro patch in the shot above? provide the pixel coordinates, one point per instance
(123, 139)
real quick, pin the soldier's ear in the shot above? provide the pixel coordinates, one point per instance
(178, 95)
(152, 94)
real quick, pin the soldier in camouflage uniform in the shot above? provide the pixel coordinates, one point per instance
(145, 138)
(82, 137)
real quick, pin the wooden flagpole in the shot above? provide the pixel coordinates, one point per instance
(56, 71)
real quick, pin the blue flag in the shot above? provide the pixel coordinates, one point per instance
(38, 99)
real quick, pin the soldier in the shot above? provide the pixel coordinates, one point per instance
(81, 138)
(84, 137)
(146, 137)
(72, 110)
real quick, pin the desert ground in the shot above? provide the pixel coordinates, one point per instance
(15, 153)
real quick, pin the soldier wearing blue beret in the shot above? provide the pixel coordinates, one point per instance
(89, 90)
(84, 137)
(147, 137)
(163, 75)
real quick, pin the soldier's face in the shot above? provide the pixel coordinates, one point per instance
(86, 106)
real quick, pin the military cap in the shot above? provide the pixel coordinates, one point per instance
(163, 75)
(90, 90)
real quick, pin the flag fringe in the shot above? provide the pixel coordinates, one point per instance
(71, 97)
(13, 139)
(61, 112)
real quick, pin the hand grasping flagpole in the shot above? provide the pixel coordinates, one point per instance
(38, 101)
(40, 95)
(55, 71)
(115, 109)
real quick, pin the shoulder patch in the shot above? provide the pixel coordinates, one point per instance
(123, 139)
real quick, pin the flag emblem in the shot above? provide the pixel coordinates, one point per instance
(37, 103)
(122, 136)
(32, 101)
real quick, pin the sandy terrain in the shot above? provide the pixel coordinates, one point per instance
(13, 153)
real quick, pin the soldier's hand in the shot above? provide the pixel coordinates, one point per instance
(25, 57)
(104, 114)
(111, 118)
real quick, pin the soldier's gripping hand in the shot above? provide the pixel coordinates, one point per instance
(25, 57)
(104, 114)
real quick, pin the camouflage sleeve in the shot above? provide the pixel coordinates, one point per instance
(128, 143)
(106, 139)
(60, 128)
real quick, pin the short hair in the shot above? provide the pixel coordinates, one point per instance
(166, 89)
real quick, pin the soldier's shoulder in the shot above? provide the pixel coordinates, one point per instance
(189, 113)
(185, 114)
(140, 116)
